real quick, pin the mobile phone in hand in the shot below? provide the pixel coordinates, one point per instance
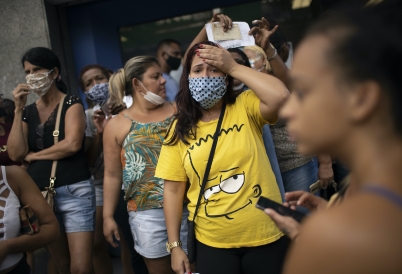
(105, 108)
(264, 203)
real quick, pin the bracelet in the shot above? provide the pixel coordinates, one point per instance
(273, 56)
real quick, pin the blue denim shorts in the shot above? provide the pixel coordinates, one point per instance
(75, 207)
(150, 234)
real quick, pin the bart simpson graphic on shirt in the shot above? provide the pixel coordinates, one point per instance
(228, 189)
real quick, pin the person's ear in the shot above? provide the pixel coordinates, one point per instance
(136, 84)
(364, 100)
(165, 55)
(55, 73)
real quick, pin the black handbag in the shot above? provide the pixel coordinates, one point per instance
(191, 250)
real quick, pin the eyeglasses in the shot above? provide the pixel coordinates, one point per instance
(40, 130)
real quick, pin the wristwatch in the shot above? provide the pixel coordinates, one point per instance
(170, 246)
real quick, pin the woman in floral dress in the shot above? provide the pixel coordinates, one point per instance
(132, 144)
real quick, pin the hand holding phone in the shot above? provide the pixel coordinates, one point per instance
(264, 203)
(105, 108)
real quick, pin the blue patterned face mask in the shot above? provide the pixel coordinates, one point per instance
(99, 93)
(207, 91)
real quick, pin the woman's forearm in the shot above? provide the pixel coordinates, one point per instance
(17, 146)
(270, 90)
(111, 193)
(61, 150)
(47, 234)
(279, 69)
(173, 196)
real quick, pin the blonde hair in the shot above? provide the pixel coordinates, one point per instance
(260, 52)
(120, 83)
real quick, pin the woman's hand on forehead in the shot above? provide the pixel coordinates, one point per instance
(217, 57)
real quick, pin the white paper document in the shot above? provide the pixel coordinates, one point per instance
(236, 37)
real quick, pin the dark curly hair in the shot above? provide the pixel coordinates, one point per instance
(189, 111)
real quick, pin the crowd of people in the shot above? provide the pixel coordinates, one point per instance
(172, 171)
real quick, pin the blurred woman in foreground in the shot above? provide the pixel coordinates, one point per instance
(346, 102)
(17, 189)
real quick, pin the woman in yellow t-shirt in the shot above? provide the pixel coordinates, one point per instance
(231, 236)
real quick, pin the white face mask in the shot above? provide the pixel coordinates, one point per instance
(152, 97)
(252, 61)
(39, 82)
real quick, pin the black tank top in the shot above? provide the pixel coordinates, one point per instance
(71, 169)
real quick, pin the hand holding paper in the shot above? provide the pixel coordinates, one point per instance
(224, 20)
(237, 36)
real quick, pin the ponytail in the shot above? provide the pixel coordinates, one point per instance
(117, 83)
(120, 83)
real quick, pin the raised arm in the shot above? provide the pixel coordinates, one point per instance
(262, 34)
(271, 91)
(173, 196)
(29, 194)
(226, 23)
(112, 180)
(17, 143)
(74, 133)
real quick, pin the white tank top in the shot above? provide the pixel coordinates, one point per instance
(9, 218)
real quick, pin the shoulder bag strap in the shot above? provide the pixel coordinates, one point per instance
(56, 133)
(211, 157)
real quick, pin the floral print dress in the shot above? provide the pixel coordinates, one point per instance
(139, 156)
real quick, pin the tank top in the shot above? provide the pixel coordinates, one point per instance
(139, 156)
(386, 193)
(71, 169)
(9, 219)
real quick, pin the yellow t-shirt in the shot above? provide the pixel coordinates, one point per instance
(240, 173)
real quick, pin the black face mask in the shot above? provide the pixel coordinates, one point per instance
(173, 62)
